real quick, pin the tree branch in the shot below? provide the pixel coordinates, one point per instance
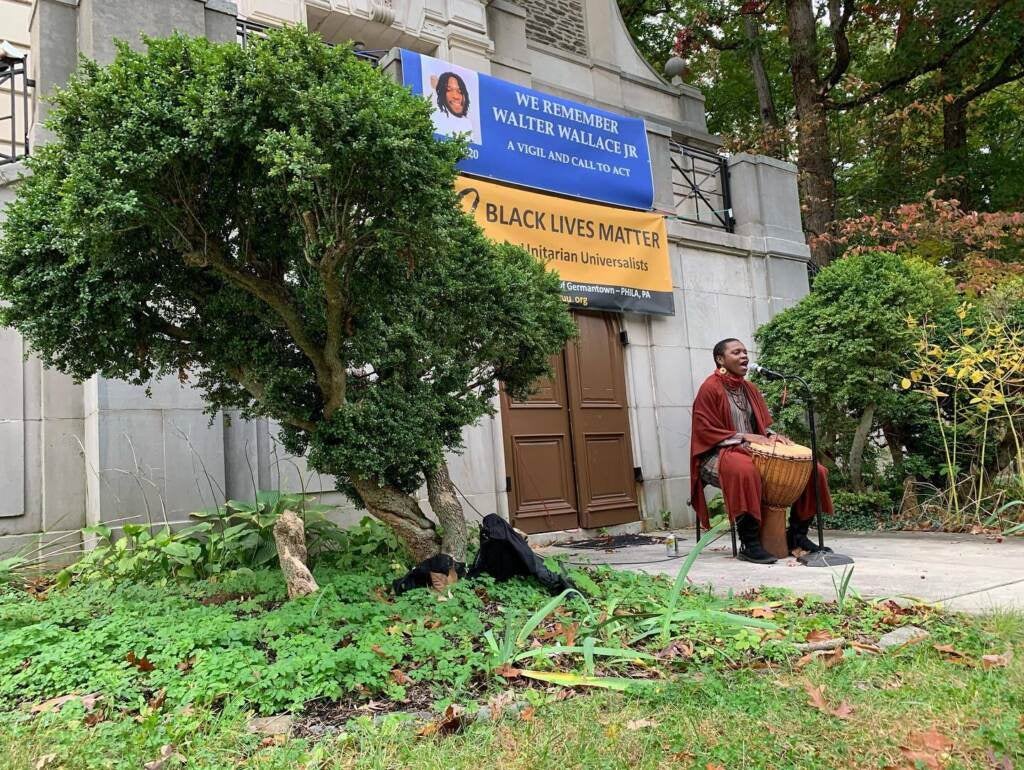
(839, 19)
(271, 294)
(1004, 74)
(937, 63)
(258, 391)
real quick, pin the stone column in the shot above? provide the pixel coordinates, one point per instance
(53, 29)
(765, 202)
(511, 59)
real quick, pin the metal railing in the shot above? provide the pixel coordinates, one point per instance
(700, 187)
(245, 30)
(15, 87)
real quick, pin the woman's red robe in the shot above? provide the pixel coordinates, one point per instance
(712, 424)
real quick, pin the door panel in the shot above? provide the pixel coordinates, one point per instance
(538, 456)
(567, 447)
(599, 421)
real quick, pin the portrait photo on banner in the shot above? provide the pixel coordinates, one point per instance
(454, 93)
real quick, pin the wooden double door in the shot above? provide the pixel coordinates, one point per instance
(568, 455)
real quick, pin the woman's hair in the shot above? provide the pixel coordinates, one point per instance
(720, 348)
(442, 94)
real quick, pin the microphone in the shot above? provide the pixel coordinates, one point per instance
(767, 373)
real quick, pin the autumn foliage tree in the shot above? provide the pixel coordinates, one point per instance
(877, 102)
(278, 224)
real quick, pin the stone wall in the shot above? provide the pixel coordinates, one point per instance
(557, 23)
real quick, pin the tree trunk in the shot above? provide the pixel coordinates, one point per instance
(402, 513)
(860, 439)
(290, 536)
(445, 504)
(894, 441)
(910, 506)
(765, 102)
(954, 152)
(816, 179)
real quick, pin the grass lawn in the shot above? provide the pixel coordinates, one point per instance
(172, 673)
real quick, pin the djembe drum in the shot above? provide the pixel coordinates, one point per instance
(785, 470)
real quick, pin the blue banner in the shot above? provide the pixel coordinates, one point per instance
(533, 139)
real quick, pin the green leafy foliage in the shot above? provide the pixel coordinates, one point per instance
(236, 535)
(849, 339)
(860, 510)
(276, 223)
(231, 641)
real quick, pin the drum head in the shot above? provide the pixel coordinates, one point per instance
(786, 451)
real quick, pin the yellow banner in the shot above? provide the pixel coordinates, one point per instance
(607, 258)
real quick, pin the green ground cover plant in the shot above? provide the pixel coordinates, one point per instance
(113, 673)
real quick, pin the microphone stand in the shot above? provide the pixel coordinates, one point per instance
(809, 400)
(821, 558)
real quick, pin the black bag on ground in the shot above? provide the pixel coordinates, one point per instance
(419, 576)
(504, 553)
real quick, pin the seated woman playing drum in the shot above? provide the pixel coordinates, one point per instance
(730, 415)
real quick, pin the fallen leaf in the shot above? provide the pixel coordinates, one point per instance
(998, 762)
(44, 761)
(927, 748)
(828, 657)
(427, 730)
(167, 753)
(951, 653)
(929, 740)
(158, 699)
(677, 649)
(868, 648)
(570, 634)
(997, 661)
(713, 766)
(378, 651)
(497, 704)
(844, 710)
(831, 657)
(637, 724)
(400, 677)
(451, 720)
(816, 698)
(186, 665)
(508, 671)
(94, 718)
(526, 715)
(275, 725)
(762, 612)
(819, 635)
(142, 664)
(88, 701)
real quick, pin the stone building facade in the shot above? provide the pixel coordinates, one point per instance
(73, 454)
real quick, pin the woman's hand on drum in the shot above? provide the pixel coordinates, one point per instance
(756, 438)
(782, 439)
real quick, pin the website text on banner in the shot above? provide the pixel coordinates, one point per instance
(534, 139)
(608, 259)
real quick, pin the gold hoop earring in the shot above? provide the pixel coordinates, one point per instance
(722, 370)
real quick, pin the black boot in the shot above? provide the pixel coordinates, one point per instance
(751, 549)
(796, 537)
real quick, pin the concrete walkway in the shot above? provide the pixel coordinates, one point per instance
(972, 573)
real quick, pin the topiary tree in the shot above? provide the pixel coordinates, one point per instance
(278, 224)
(850, 340)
